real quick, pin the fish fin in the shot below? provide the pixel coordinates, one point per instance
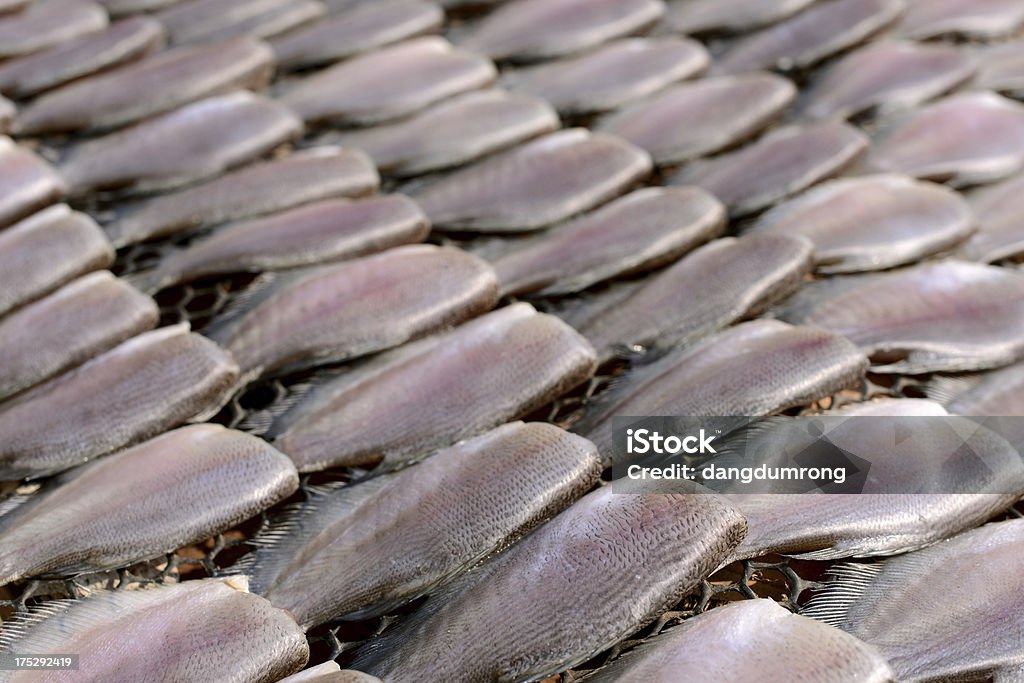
(946, 388)
(1009, 675)
(147, 281)
(265, 285)
(848, 582)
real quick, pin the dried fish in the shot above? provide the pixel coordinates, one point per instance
(429, 395)
(27, 183)
(994, 393)
(643, 230)
(941, 316)
(780, 164)
(887, 76)
(749, 642)
(965, 139)
(932, 18)
(120, 43)
(210, 630)
(694, 119)
(322, 232)
(329, 672)
(612, 75)
(152, 86)
(536, 184)
(540, 29)
(127, 507)
(702, 16)
(716, 285)
(596, 573)
(189, 144)
(364, 27)
(756, 368)
(453, 132)
(306, 176)
(1001, 68)
(344, 311)
(873, 222)
(82, 319)
(366, 549)
(46, 23)
(46, 250)
(137, 390)
(209, 20)
(997, 212)
(815, 34)
(389, 83)
(903, 606)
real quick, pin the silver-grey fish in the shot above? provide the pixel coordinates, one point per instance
(84, 318)
(642, 230)
(351, 309)
(330, 672)
(120, 43)
(873, 222)
(965, 139)
(194, 142)
(453, 132)
(947, 315)
(694, 119)
(156, 84)
(135, 391)
(985, 20)
(887, 76)
(751, 641)
(724, 281)
(45, 23)
(701, 16)
(365, 27)
(782, 163)
(536, 184)
(612, 75)
(321, 232)
(527, 30)
(756, 368)
(262, 188)
(210, 630)
(594, 574)
(46, 250)
(1001, 67)
(127, 507)
(818, 32)
(997, 212)
(366, 549)
(389, 83)
(198, 21)
(948, 612)
(27, 183)
(428, 395)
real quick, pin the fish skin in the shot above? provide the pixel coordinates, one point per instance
(364, 27)
(529, 30)
(359, 307)
(206, 630)
(756, 368)
(389, 83)
(703, 16)
(903, 606)
(694, 119)
(996, 210)
(735, 277)
(321, 232)
(984, 20)
(120, 43)
(220, 132)
(47, 23)
(749, 642)
(597, 572)
(885, 77)
(369, 552)
(611, 75)
(757, 176)
(144, 386)
(84, 318)
(329, 672)
(951, 316)
(46, 250)
(456, 131)
(873, 222)
(122, 508)
(994, 393)
(196, 21)
(947, 141)
(541, 182)
(639, 231)
(262, 188)
(27, 183)
(419, 398)
(818, 32)
(1000, 67)
(152, 86)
